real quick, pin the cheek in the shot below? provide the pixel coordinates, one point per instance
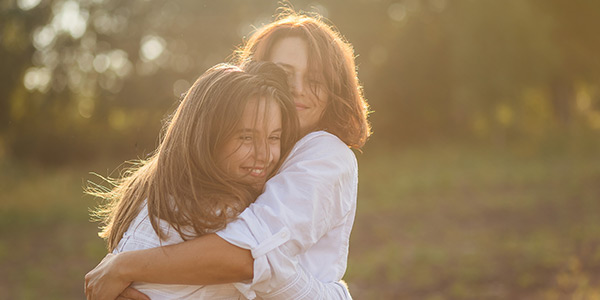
(232, 155)
(275, 150)
(241, 153)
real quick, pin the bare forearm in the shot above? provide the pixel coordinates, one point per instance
(205, 260)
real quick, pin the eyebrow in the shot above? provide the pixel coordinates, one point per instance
(245, 130)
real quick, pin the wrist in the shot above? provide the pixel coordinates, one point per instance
(121, 269)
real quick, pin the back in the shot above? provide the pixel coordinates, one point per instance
(140, 235)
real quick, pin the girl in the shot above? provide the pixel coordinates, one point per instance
(219, 147)
(297, 231)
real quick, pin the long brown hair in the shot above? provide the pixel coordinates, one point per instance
(329, 54)
(181, 181)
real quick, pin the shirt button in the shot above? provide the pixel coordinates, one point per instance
(284, 235)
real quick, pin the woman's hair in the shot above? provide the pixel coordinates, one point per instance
(329, 54)
(181, 181)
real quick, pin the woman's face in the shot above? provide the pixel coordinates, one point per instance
(291, 53)
(254, 149)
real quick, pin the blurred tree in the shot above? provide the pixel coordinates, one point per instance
(95, 77)
(89, 76)
(575, 36)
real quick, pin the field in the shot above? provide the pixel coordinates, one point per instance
(433, 222)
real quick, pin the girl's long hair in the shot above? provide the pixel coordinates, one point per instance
(181, 181)
(332, 58)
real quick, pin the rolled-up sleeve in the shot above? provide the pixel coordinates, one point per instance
(313, 192)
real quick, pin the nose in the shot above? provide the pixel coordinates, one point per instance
(261, 152)
(297, 86)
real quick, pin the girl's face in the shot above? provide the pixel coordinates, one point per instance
(291, 53)
(253, 151)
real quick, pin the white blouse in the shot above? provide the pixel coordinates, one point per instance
(298, 230)
(141, 235)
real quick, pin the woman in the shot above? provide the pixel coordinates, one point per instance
(302, 221)
(219, 146)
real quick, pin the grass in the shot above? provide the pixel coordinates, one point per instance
(443, 222)
(460, 223)
(47, 243)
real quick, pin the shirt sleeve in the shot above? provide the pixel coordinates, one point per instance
(313, 192)
(289, 280)
(305, 286)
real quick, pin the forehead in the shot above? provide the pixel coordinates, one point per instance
(290, 51)
(261, 110)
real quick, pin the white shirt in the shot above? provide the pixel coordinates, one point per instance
(299, 229)
(141, 235)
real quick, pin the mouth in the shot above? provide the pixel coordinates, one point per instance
(255, 172)
(300, 106)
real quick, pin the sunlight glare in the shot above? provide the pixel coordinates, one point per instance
(37, 79)
(70, 18)
(28, 4)
(43, 37)
(397, 12)
(101, 63)
(85, 61)
(119, 62)
(152, 47)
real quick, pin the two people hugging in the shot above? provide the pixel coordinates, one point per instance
(252, 191)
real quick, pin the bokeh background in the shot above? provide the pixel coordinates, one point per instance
(481, 181)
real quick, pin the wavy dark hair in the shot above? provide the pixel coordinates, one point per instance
(329, 55)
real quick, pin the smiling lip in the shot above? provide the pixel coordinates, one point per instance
(256, 172)
(300, 106)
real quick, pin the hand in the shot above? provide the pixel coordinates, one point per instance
(105, 283)
(132, 294)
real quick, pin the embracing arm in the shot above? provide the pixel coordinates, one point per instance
(220, 262)
(205, 260)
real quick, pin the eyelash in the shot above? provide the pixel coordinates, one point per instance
(248, 138)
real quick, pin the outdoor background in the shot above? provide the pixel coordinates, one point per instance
(481, 181)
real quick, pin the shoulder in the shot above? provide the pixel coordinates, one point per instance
(322, 146)
(322, 141)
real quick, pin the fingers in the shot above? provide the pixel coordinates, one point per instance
(88, 294)
(131, 293)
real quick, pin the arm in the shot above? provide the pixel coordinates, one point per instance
(205, 260)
